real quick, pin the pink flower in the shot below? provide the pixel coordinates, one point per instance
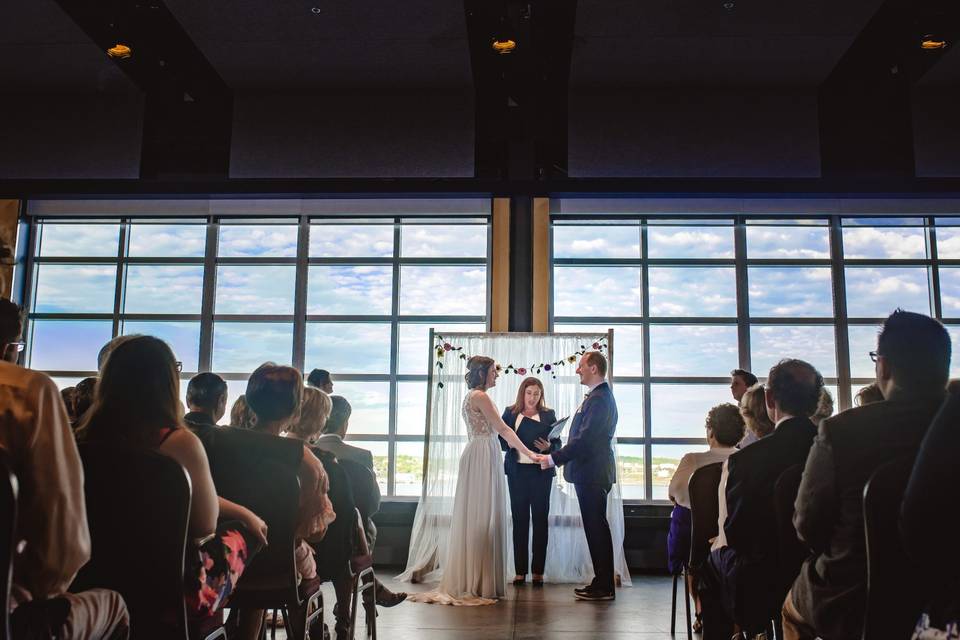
(522, 371)
(447, 346)
(596, 345)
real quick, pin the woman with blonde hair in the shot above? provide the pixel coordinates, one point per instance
(314, 410)
(241, 416)
(753, 408)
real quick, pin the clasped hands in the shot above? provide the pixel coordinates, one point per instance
(544, 461)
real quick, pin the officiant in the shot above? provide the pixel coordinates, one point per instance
(528, 484)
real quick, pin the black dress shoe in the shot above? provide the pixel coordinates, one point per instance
(387, 598)
(585, 589)
(595, 595)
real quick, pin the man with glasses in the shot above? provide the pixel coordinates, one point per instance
(912, 362)
(37, 441)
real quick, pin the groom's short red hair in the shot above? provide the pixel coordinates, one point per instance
(596, 359)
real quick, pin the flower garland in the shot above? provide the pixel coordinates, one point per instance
(442, 347)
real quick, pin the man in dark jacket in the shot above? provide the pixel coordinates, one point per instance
(912, 364)
(592, 470)
(739, 581)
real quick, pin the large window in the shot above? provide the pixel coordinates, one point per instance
(691, 298)
(354, 296)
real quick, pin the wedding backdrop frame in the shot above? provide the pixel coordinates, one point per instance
(553, 359)
(431, 368)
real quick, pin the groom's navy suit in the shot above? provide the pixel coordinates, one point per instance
(591, 468)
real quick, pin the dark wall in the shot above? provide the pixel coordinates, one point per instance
(687, 133)
(283, 135)
(936, 132)
(51, 135)
(644, 544)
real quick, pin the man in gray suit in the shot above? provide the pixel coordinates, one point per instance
(334, 432)
(357, 463)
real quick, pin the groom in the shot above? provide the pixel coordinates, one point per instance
(591, 468)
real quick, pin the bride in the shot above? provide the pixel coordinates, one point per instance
(473, 570)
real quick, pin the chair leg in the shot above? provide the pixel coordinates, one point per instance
(686, 602)
(673, 607)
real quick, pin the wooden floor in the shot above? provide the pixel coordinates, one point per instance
(641, 611)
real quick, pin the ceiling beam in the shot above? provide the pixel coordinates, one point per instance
(521, 97)
(188, 114)
(866, 128)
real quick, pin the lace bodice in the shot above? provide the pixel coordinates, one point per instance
(477, 424)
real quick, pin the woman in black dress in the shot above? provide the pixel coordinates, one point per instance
(529, 485)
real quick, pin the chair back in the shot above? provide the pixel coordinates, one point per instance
(272, 491)
(893, 600)
(790, 550)
(8, 538)
(138, 511)
(704, 511)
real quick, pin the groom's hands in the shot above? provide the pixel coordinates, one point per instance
(546, 462)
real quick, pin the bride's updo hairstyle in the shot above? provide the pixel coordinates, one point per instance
(477, 369)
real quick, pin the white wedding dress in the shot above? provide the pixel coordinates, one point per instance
(474, 567)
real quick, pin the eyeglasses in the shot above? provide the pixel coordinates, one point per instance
(179, 366)
(16, 346)
(874, 355)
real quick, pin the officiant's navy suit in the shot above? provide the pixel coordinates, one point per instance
(529, 487)
(590, 466)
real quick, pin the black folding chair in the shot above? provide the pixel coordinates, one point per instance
(272, 491)
(790, 551)
(893, 607)
(704, 511)
(8, 541)
(138, 511)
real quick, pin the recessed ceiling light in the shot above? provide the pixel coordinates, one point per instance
(931, 42)
(119, 51)
(315, 10)
(504, 46)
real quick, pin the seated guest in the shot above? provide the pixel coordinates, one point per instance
(334, 431)
(724, 427)
(69, 395)
(336, 549)
(868, 395)
(367, 492)
(38, 443)
(824, 407)
(241, 417)
(320, 379)
(137, 404)
(930, 518)
(106, 349)
(753, 409)
(83, 400)
(274, 394)
(912, 364)
(740, 381)
(739, 582)
(206, 399)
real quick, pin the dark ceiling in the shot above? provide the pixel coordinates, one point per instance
(343, 45)
(42, 49)
(700, 43)
(371, 44)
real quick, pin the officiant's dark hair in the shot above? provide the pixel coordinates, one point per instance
(477, 369)
(528, 382)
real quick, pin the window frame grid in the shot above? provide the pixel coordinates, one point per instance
(742, 262)
(299, 319)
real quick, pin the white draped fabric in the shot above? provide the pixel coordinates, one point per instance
(568, 559)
